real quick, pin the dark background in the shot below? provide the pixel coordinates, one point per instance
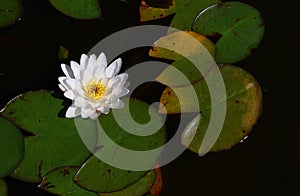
(267, 163)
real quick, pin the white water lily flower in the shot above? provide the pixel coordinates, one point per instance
(93, 86)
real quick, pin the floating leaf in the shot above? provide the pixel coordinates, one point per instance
(97, 176)
(55, 141)
(10, 12)
(240, 26)
(181, 41)
(170, 99)
(11, 147)
(79, 9)
(60, 182)
(157, 185)
(151, 10)
(139, 188)
(186, 11)
(244, 104)
(3, 188)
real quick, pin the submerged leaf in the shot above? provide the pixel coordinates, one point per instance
(240, 26)
(11, 147)
(54, 142)
(59, 181)
(10, 12)
(79, 9)
(244, 104)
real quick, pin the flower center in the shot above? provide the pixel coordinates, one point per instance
(95, 90)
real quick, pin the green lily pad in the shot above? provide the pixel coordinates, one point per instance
(98, 176)
(240, 26)
(11, 147)
(244, 104)
(79, 9)
(3, 188)
(185, 11)
(139, 188)
(10, 12)
(54, 142)
(165, 47)
(60, 182)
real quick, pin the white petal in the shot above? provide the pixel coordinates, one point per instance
(72, 112)
(92, 63)
(79, 92)
(123, 77)
(113, 68)
(76, 69)
(62, 79)
(119, 65)
(67, 70)
(111, 99)
(117, 105)
(126, 84)
(86, 112)
(104, 110)
(99, 72)
(108, 91)
(84, 60)
(120, 92)
(95, 115)
(87, 77)
(102, 60)
(101, 103)
(104, 81)
(62, 87)
(72, 83)
(80, 102)
(112, 82)
(63, 82)
(69, 94)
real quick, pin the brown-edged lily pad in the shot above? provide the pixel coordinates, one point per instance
(182, 47)
(185, 11)
(244, 104)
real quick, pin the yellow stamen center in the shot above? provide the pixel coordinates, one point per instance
(95, 90)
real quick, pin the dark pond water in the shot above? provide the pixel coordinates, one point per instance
(258, 166)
